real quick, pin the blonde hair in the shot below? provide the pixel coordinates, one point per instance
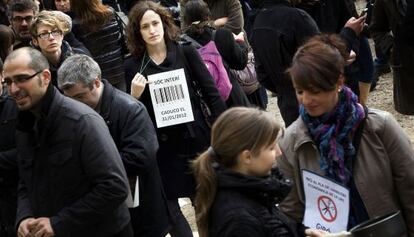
(236, 130)
(51, 19)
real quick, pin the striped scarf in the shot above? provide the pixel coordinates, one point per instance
(333, 132)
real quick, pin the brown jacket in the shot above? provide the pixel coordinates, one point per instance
(383, 169)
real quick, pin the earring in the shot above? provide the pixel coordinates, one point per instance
(339, 89)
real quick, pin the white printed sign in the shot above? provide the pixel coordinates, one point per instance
(170, 98)
(327, 203)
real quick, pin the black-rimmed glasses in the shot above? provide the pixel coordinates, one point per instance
(20, 19)
(19, 79)
(46, 35)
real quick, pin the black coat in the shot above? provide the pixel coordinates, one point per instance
(107, 47)
(70, 169)
(330, 16)
(134, 135)
(387, 18)
(180, 143)
(278, 31)
(234, 56)
(8, 166)
(245, 206)
(408, 24)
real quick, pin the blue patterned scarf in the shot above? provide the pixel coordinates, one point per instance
(334, 132)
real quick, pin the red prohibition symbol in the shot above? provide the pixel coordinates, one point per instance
(327, 208)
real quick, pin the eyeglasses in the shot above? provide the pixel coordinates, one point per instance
(20, 19)
(19, 79)
(46, 35)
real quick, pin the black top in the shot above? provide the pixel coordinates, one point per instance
(136, 140)
(182, 142)
(70, 169)
(245, 206)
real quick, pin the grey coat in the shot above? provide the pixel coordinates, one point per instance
(383, 168)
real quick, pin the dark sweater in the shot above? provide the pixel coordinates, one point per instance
(246, 206)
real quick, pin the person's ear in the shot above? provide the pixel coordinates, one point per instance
(46, 76)
(245, 157)
(35, 42)
(97, 82)
(341, 82)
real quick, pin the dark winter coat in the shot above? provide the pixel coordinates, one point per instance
(234, 56)
(409, 24)
(246, 206)
(70, 169)
(329, 15)
(136, 140)
(106, 46)
(387, 17)
(180, 143)
(278, 31)
(8, 166)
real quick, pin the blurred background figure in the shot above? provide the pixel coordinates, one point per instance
(21, 14)
(99, 29)
(387, 30)
(7, 39)
(233, 53)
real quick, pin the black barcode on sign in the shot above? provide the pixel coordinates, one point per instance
(168, 94)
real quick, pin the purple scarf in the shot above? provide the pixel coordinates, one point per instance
(334, 132)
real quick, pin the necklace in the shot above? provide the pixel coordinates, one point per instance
(142, 68)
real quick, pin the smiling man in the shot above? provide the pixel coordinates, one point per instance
(72, 182)
(21, 13)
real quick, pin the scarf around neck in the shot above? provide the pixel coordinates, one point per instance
(334, 132)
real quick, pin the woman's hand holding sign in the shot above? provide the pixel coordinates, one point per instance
(138, 85)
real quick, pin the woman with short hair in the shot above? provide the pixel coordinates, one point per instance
(363, 150)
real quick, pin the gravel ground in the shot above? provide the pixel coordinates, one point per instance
(381, 98)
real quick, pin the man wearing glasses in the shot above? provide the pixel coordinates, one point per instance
(21, 13)
(72, 181)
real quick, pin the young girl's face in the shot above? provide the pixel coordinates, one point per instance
(262, 163)
(151, 28)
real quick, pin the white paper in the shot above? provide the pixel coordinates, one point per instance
(133, 201)
(327, 203)
(170, 98)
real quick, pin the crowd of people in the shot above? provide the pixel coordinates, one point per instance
(107, 120)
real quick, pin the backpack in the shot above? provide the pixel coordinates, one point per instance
(212, 58)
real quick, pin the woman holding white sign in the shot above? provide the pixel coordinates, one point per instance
(349, 163)
(166, 76)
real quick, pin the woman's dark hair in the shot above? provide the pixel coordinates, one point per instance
(136, 44)
(7, 39)
(319, 63)
(196, 16)
(236, 130)
(91, 13)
